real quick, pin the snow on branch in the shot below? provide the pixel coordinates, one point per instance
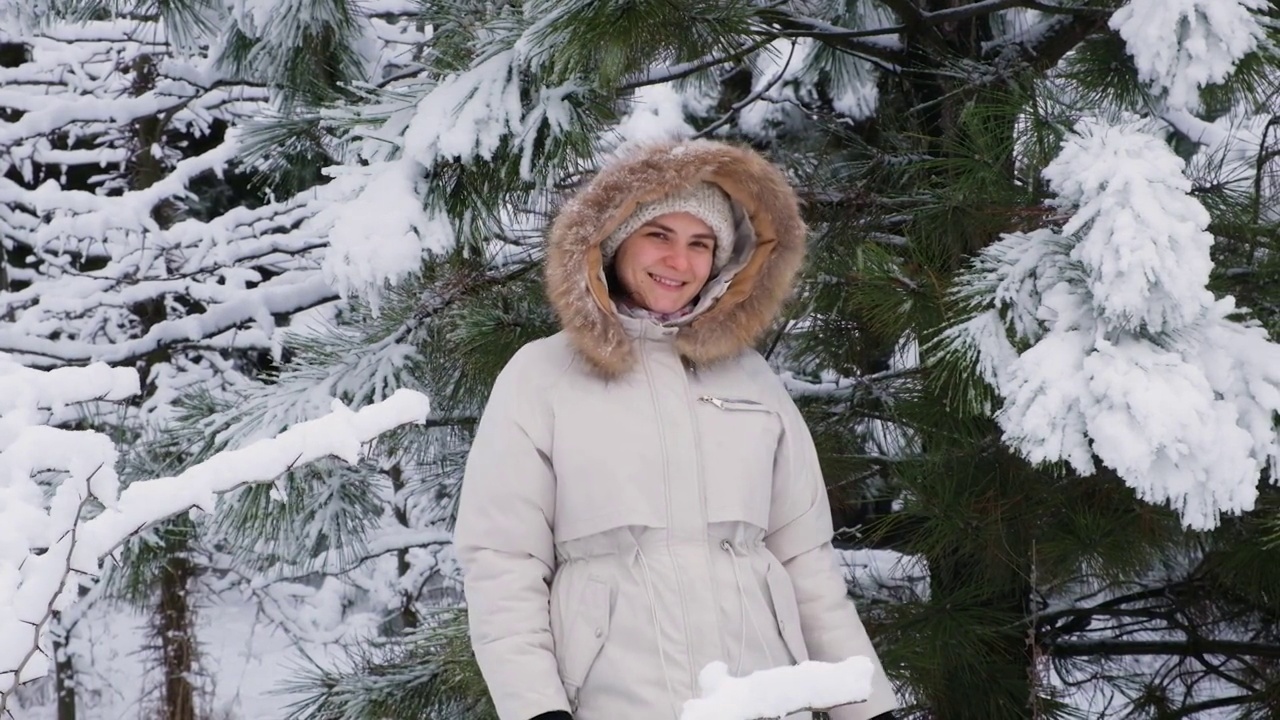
(381, 221)
(43, 544)
(1103, 340)
(120, 265)
(379, 232)
(283, 296)
(779, 692)
(1182, 46)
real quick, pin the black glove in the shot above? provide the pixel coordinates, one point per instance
(554, 715)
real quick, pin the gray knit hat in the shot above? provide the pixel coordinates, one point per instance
(704, 200)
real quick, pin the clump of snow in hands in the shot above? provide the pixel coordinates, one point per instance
(42, 543)
(1211, 38)
(780, 691)
(1122, 353)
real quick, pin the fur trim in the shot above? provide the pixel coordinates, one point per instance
(581, 300)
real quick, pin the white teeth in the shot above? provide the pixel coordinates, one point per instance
(666, 282)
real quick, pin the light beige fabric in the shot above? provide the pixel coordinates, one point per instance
(620, 535)
(630, 515)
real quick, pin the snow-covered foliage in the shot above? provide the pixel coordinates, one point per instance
(38, 529)
(790, 72)
(62, 510)
(1102, 339)
(1210, 38)
(778, 692)
(378, 232)
(138, 230)
(111, 142)
(121, 140)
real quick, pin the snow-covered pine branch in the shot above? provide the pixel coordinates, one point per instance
(112, 150)
(121, 142)
(1103, 340)
(1211, 37)
(43, 544)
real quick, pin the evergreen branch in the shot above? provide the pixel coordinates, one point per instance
(329, 562)
(1193, 709)
(683, 70)
(64, 573)
(915, 19)
(1013, 56)
(52, 117)
(834, 36)
(1064, 9)
(906, 10)
(1260, 164)
(430, 672)
(1193, 128)
(1081, 617)
(847, 387)
(754, 96)
(987, 7)
(1042, 51)
(836, 32)
(178, 332)
(966, 12)
(1181, 648)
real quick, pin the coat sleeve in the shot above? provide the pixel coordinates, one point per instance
(503, 541)
(800, 534)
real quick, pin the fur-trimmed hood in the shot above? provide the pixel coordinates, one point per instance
(749, 303)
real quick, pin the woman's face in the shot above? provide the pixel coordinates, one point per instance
(663, 265)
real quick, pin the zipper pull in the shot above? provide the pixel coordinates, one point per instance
(712, 401)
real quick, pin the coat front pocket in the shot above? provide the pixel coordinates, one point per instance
(738, 440)
(786, 612)
(586, 627)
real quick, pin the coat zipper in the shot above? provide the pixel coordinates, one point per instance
(675, 564)
(706, 520)
(734, 404)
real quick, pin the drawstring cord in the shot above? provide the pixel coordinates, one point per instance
(657, 629)
(745, 612)
(742, 609)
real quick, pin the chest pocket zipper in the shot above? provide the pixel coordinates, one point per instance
(735, 405)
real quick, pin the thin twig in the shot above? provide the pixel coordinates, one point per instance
(738, 106)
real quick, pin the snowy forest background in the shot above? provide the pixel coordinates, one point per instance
(1032, 338)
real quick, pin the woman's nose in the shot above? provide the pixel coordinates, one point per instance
(678, 258)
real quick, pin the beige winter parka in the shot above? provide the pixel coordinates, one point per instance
(642, 500)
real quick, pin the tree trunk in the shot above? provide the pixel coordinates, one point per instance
(64, 671)
(174, 617)
(407, 618)
(175, 622)
(991, 674)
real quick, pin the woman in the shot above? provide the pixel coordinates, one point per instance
(642, 496)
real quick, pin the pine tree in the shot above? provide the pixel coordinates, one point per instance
(130, 233)
(919, 133)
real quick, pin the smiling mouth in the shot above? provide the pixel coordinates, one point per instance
(664, 282)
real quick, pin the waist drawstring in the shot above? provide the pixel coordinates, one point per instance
(657, 630)
(745, 612)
